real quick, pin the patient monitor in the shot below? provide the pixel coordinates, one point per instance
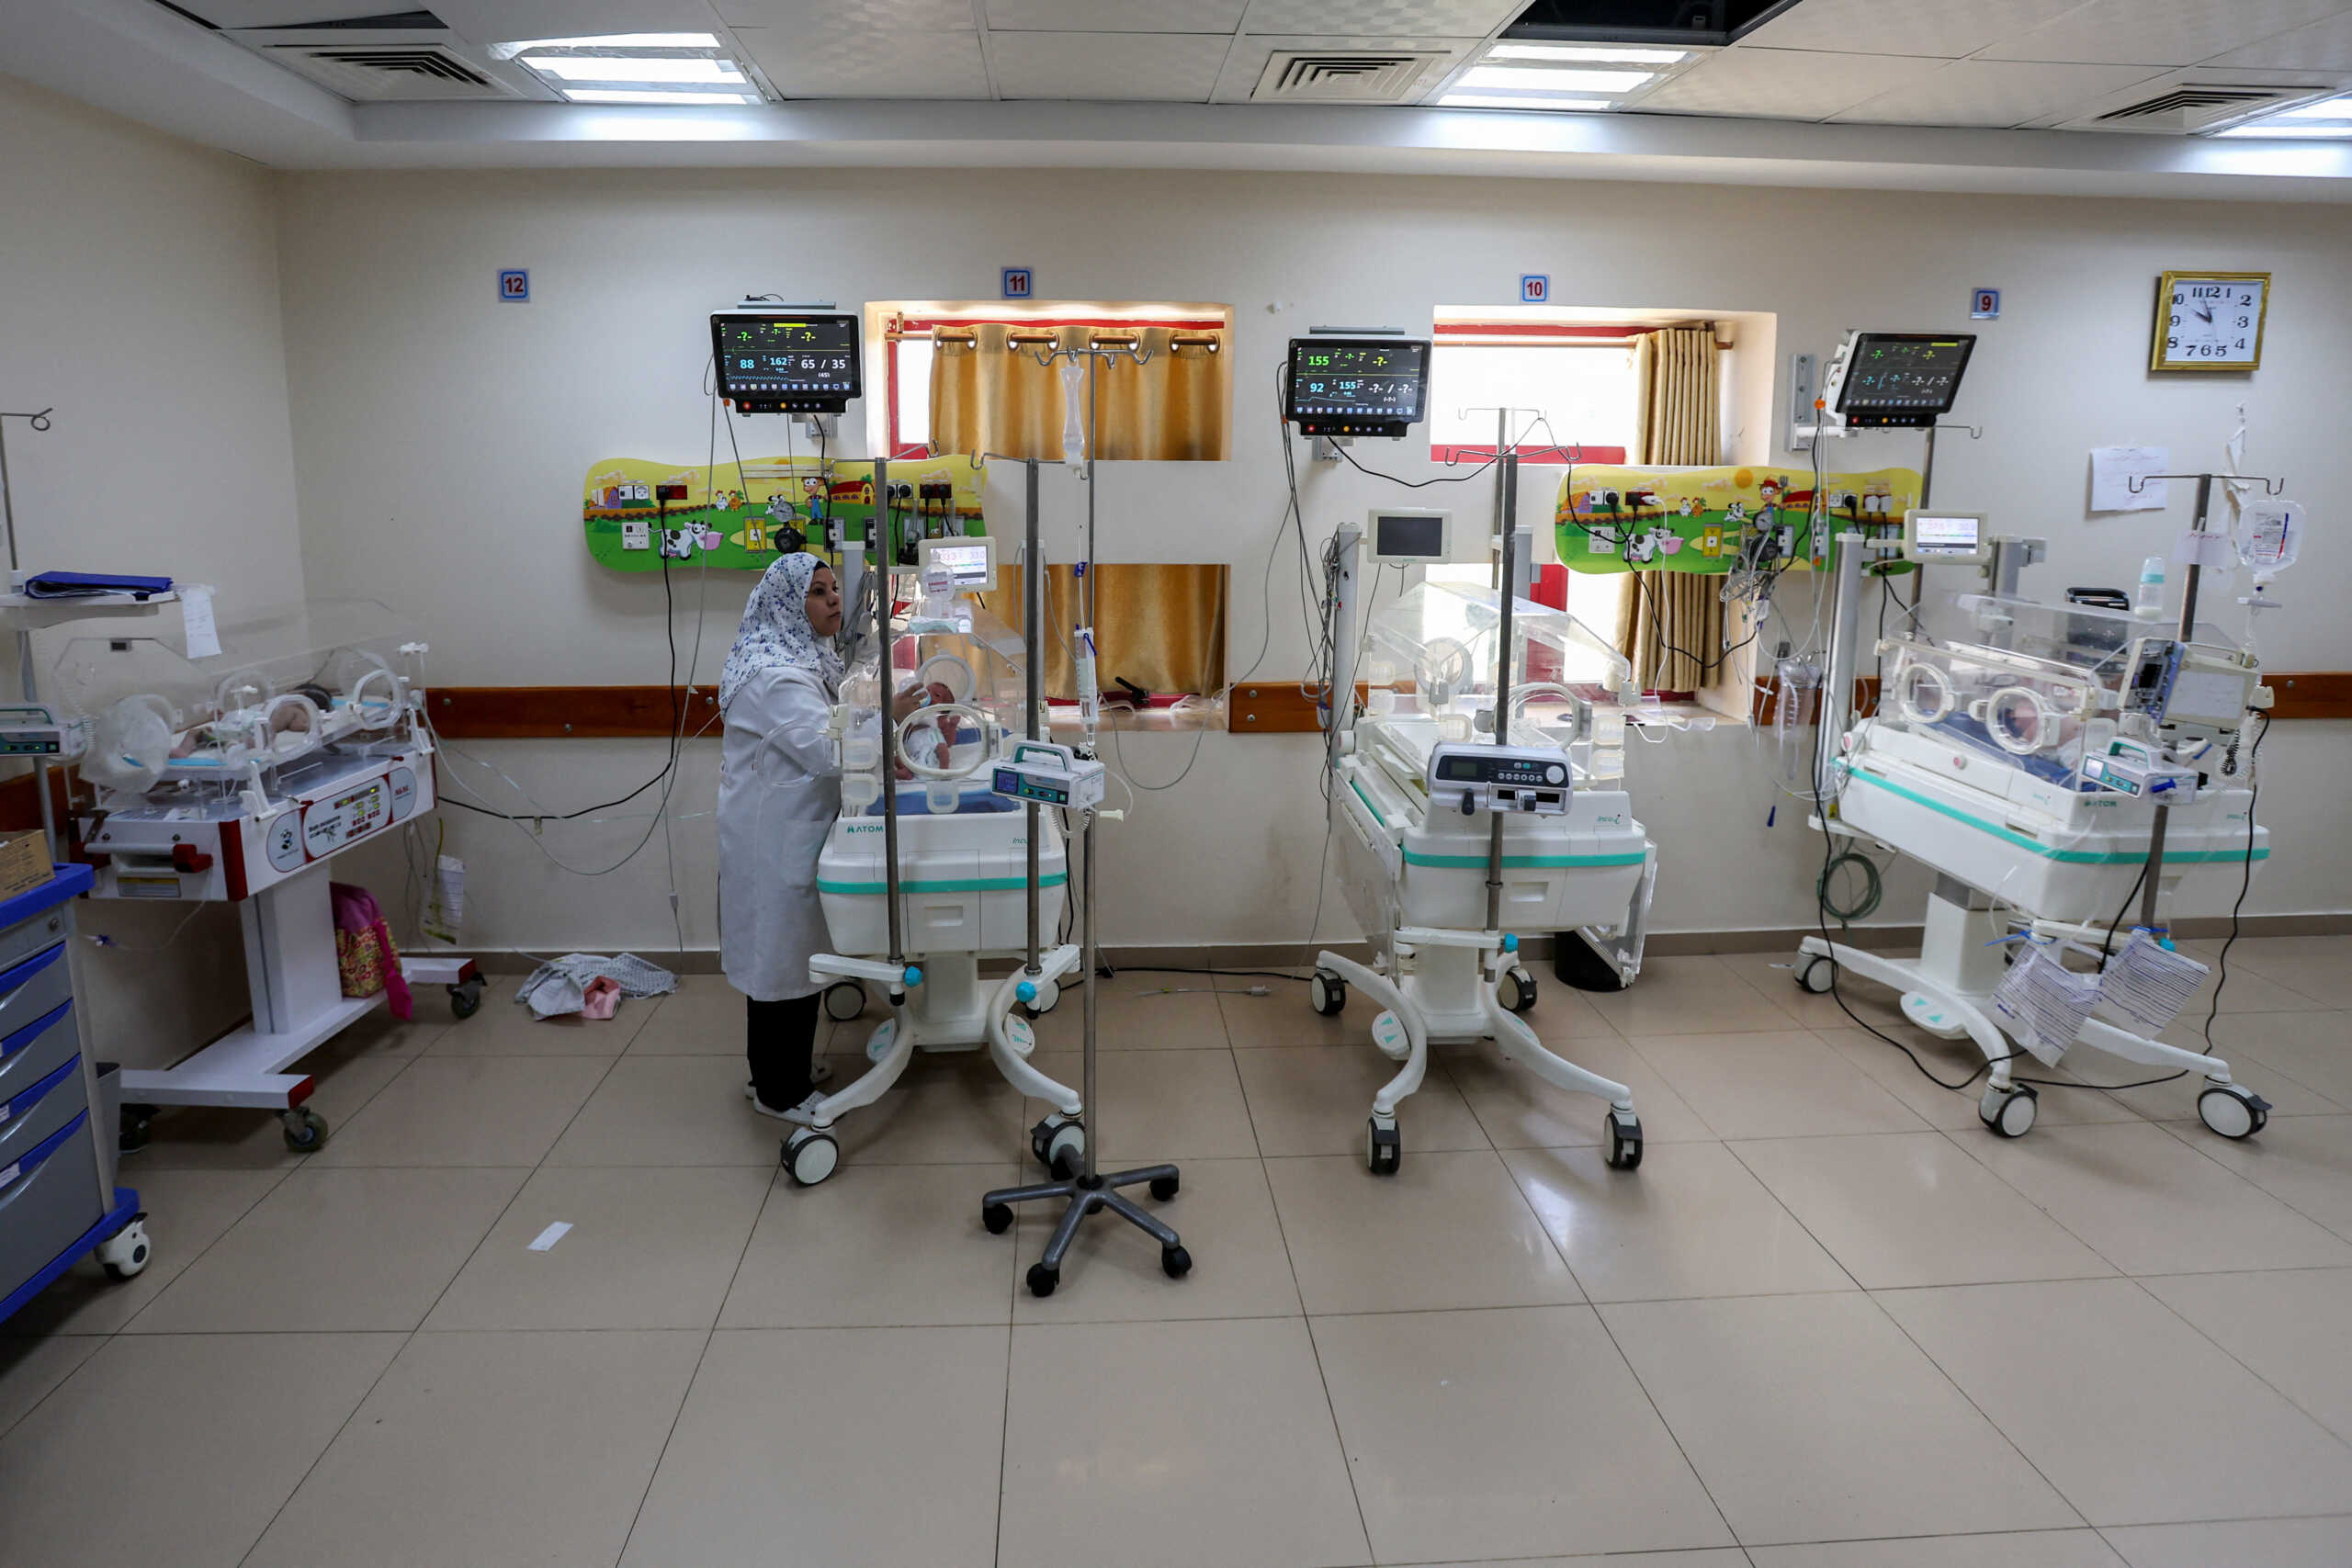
(966, 562)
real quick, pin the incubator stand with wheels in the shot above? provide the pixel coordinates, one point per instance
(1415, 858)
(963, 880)
(2027, 765)
(235, 778)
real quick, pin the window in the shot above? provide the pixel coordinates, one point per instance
(1579, 376)
(911, 354)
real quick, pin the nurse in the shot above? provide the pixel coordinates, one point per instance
(779, 790)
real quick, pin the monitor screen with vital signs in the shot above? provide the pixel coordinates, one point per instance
(1903, 378)
(772, 362)
(1342, 385)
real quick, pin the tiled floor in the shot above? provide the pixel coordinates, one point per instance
(1831, 1321)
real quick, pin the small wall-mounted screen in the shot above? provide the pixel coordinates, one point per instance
(774, 362)
(1903, 379)
(1409, 535)
(1342, 385)
(1941, 535)
(967, 563)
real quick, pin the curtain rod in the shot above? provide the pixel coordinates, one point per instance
(944, 334)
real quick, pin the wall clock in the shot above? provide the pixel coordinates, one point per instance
(2209, 321)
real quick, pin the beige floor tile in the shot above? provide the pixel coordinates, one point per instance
(1910, 1209)
(1113, 1274)
(2036, 1549)
(2150, 1204)
(29, 1369)
(2319, 967)
(378, 1034)
(1283, 1018)
(880, 1245)
(466, 1110)
(1705, 1557)
(649, 1248)
(187, 1211)
(1960, 1062)
(1814, 1418)
(2313, 1049)
(703, 1017)
(2247, 991)
(1448, 1230)
(214, 1432)
(2130, 1412)
(1520, 1111)
(491, 1448)
(335, 1250)
(1157, 1105)
(1159, 1012)
(816, 1447)
(1479, 1434)
(947, 1109)
(669, 1111)
(1699, 993)
(1314, 1099)
(2303, 1161)
(1789, 1085)
(2242, 1543)
(505, 1027)
(1689, 1222)
(219, 1137)
(2293, 1327)
(1168, 1445)
(1773, 974)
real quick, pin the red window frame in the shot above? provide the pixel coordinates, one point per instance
(1464, 333)
(897, 325)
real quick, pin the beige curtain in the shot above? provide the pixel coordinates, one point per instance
(991, 395)
(1161, 626)
(1671, 623)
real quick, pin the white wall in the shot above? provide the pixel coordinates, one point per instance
(443, 437)
(139, 298)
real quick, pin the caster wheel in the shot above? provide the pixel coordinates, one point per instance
(2233, 1110)
(1327, 992)
(997, 1217)
(125, 1253)
(1043, 1279)
(1163, 1188)
(1816, 976)
(306, 1131)
(1519, 990)
(1059, 1144)
(2008, 1112)
(131, 1133)
(1175, 1262)
(1384, 1146)
(844, 999)
(464, 998)
(809, 1156)
(1625, 1143)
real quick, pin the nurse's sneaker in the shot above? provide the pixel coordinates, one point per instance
(819, 1072)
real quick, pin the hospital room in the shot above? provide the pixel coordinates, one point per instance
(1285, 783)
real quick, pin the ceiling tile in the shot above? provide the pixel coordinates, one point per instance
(2158, 32)
(511, 21)
(1116, 16)
(852, 15)
(2323, 46)
(1902, 26)
(1997, 93)
(808, 63)
(1783, 84)
(1442, 18)
(1247, 61)
(1107, 67)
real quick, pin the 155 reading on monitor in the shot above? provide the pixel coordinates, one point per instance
(1344, 386)
(778, 362)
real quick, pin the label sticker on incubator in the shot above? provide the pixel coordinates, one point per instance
(285, 842)
(147, 887)
(403, 784)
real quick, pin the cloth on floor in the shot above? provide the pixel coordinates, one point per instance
(561, 986)
(601, 1000)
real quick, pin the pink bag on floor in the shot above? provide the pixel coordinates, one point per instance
(364, 950)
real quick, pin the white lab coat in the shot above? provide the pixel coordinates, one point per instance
(779, 790)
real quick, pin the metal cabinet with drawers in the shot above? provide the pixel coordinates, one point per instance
(58, 1200)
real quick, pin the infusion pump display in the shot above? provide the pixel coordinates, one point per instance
(1899, 380)
(777, 362)
(1349, 386)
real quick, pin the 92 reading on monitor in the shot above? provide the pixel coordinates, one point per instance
(779, 357)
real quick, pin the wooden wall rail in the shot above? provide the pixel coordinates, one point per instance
(555, 713)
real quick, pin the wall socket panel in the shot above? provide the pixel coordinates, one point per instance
(1804, 387)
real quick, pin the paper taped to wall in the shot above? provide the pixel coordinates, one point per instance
(196, 620)
(2114, 467)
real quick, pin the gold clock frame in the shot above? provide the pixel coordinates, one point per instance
(2157, 360)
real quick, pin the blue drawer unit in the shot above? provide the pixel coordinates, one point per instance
(58, 1200)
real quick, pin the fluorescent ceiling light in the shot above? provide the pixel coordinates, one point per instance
(1624, 54)
(1506, 101)
(616, 40)
(2327, 109)
(636, 68)
(655, 95)
(2273, 131)
(1544, 80)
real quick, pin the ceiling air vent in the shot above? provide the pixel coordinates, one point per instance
(2190, 108)
(391, 63)
(1345, 75)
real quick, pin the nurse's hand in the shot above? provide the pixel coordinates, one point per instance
(914, 697)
